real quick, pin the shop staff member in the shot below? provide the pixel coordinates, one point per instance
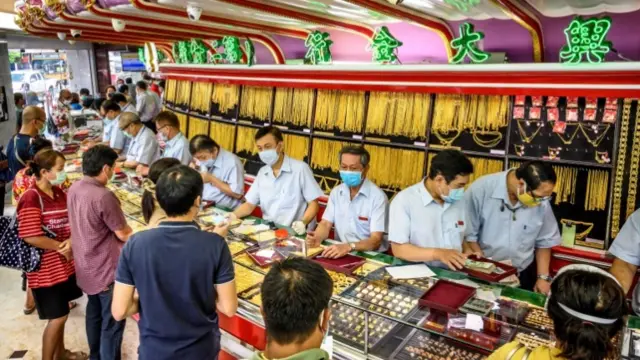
(509, 217)
(222, 172)
(144, 149)
(176, 144)
(357, 208)
(626, 249)
(124, 102)
(284, 188)
(112, 136)
(426, 220)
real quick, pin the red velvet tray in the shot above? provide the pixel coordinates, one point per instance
(447, 296)
(70, 149)
(508, 270)
(261, 260)
(346, 264)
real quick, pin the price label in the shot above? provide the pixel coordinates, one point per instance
(357, 137)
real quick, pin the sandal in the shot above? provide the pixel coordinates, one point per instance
(78, 355)
(72, 305)
(29, 311)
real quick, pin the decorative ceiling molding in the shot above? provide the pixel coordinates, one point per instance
(199, 30)
(306, 16)
(88, 32)
(208, 17)
(527, 20)
(404, 13)
(561, 8)
(97, 39)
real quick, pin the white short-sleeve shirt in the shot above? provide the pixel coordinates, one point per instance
(228, 168)
(144, 147)
(284, 199)
(178, 148)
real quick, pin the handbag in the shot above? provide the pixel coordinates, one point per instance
(15, 253)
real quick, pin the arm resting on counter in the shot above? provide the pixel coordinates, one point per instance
(244, 210)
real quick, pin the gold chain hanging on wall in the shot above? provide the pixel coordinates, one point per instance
(183, 120)
(296, 146)
(201, 95)
(395, 168)
(634, 163)
(197, 127)
(170, 93)
(256, 102)
(293, 106)
(597, 185)
(223, 134)
(470, 112)
(620, 166)
(339, 109)
(245, 140)
(226, 96)
(393, 113)
(324, 154)
(565, 189)
(183, 94)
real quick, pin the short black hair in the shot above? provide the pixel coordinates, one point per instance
(96, 158)
(110, 105)
(85, 92)
(87, 102)
(365, 158)
(128, 80)
(38, 144)
(147, 77)
(110, 87)
(97, 103)
(262, 132)
(17, 97)
(177, 189)
(169, 118)
(142, 85)
(119, 97)
(449, 164)
(123, 88)
(294, 293)
(534, 173)
(155, 170)
(202, 142)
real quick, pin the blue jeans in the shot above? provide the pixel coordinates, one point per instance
(104, 333)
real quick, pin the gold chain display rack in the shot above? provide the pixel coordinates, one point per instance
(245, 140)
(197, 127)
(403, 114)
(633, 169)
(620, 165)
(200, 100)
(223, 134)
(183, 93)
(296, 146)
(256, 102)
(225, 96)
(293, 106)
(170, 92)
(340, 109)
(597, 185)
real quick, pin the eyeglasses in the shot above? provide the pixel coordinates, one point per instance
(126, 127)
(539, 199)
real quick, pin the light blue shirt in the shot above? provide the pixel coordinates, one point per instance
(178, 148)
(228, 168)
(144, 147)
(626, 246)
(490, 222)
(107, 129)
(416, 218)
(130, 108)
(284, 199)
(355, 220)
(147, 106)
(114, 136)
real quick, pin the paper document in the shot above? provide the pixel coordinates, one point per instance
(410, 271)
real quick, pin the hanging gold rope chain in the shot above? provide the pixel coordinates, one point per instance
(487, 143)
(523, 133)
(598, 139)
(444, 141)
(570, 140)
(620, 164)
(633, 171)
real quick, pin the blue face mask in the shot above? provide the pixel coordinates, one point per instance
(351, 178)
(454, 195)
(269, 157)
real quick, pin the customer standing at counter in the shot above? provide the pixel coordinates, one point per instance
(177, 276)
(144, 149)
(98, 229)
(176, 143)
(357, 208)
(426, 220)
(222, 172)
(151, 211)
(626, 249)
(33, 124)
(284, 188)
(509, 217)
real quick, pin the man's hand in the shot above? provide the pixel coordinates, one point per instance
(336, 251)
(299, 227)
(312, 239)
(454, 259)
(64, 249)
(542, 286)
(222, 229)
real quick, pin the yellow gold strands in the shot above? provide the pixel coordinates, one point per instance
(183, 119)
(392, 113)
(343, 110)
(481, 166)
(448, 139)
(225, 96)
(620, 165)
(201, 95)
(324, 154)
(597, 185)
(470, 112)
(170, 93)
(245, 140)
(296, 146)
(223, 134)
(294, 106)
(487, 143)
(395, 168)
(565, 189)
(256, 102)
(197, 127)
(183, 93)
(633, 167)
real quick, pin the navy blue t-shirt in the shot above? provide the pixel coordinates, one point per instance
(22, 143)
(174, 267)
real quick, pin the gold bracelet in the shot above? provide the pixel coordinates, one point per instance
(633, 171)
(620, 165)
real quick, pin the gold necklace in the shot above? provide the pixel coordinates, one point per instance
(444, 141)
(580, 235)
(519, 149)
(487, 143)
(570, 140)
(595, 142)
(620, 165)
(634, 168)
(523, 134)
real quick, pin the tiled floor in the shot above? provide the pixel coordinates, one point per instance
(22, 332)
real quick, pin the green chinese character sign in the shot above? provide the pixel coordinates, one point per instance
(250, 50)
(318, 48)
(463, 5)
(466, 45)
(586, 39)
(232, 53)
(198, 51)
(384, 46)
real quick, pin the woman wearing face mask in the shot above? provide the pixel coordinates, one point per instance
(44, 205)
(221, 170)
(509, 217)
(151, 211)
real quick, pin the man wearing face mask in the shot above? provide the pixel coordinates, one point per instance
(176, 144)
(124, 102)
(295, 307)
(509, 217)
(285, 188)
(222, 172)
(33, 125)
(112, 136)
(357, 208)
(144, 149)
(426, 220)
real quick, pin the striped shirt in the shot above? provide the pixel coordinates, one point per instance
(51, 213)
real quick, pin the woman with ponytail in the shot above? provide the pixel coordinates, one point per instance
(44, 207)
(586, 305)
(151, 212)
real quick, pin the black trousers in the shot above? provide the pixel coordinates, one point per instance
(529, 276)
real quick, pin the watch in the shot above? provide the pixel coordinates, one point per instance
(545, 278)
(352, 246)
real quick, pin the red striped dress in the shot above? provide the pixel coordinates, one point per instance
(53, 214)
